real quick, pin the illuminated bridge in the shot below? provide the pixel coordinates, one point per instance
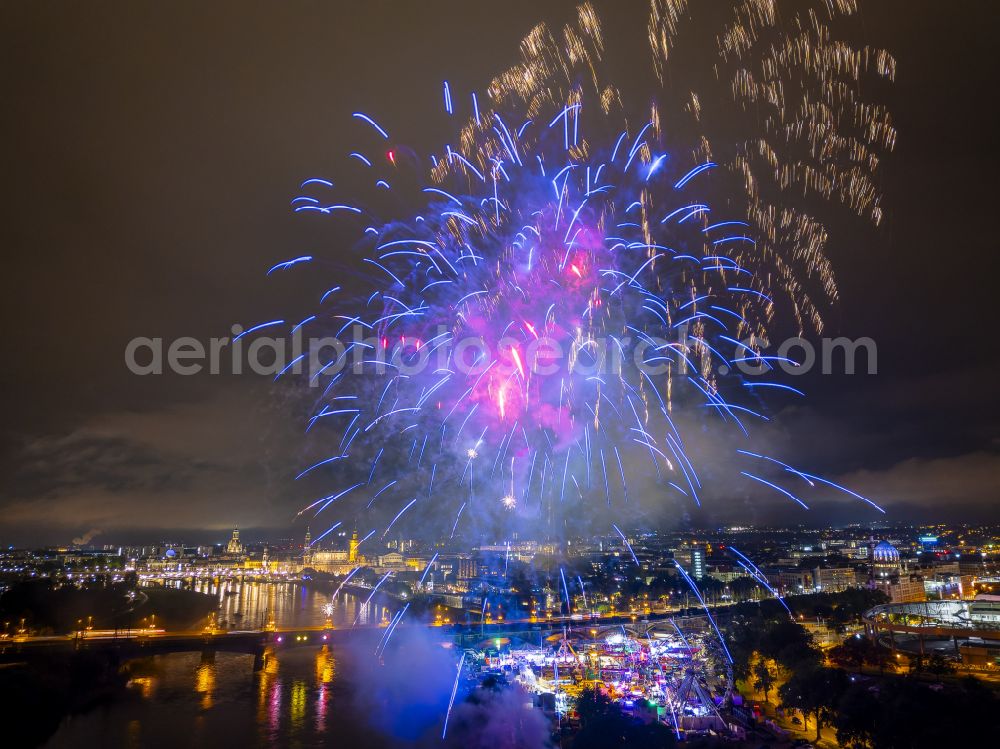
(126, 645)
(122, 645)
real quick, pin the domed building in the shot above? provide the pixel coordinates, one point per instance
(885, 560)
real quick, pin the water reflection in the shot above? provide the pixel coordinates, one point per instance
(326, 666)
(134, 734)
(253, 604)
(144, 685)
(297, 710)
(268, 688)
(205, 680)
(274, 708)
(298, 698)
(326, 669)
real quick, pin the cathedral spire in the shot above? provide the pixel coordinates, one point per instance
(307, 551)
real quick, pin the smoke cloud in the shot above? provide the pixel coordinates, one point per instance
(86, 537)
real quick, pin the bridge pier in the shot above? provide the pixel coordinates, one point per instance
(259, 659)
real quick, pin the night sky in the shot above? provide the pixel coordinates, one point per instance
(149, 154)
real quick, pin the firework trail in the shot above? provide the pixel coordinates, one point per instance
(344, 582)
(704, 606)
(569, 605)
(785, 115)
(428, 569)
(759, 576)
(627, 545)
(451, 700)
(562, 283)
(364, 606)
(384, 642)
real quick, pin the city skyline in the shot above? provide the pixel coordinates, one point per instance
(259, 537)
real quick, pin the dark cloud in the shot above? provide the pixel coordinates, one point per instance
(205, 465)
(968, 482)
(86, 461)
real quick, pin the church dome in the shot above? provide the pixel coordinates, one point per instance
(885, 553)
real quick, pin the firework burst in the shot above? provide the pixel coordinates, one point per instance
(566, 281)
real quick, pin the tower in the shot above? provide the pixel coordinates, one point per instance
(352, 553)
(307, 549)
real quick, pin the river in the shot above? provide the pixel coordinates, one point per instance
(302, 698)
(249, 605)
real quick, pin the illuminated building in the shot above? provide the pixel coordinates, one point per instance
(885, 561)
(697, 563)
(833, 579)
(468, 568)
(693, 560)
(234, 546)
(791, 580)
(903, 590)
(336, 561)
(392, 560)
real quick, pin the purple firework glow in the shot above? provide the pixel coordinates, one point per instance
(526, 336)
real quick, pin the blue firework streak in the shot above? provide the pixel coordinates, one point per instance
(543, 312)
(527, 332)
(530, 244)
(561, 287)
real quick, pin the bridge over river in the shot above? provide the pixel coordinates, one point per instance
(124, 645)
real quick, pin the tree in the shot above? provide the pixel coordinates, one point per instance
(858, 651)
(789, 644)
(938, 665)
(741, 640)
(743, 588)
(711, 588)
(604, 725)
(855, 718)
(815, 690)
(903, 713)
(763, 677)
(593, 704)
(853, 653)
(649, 736)
(879, 657)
